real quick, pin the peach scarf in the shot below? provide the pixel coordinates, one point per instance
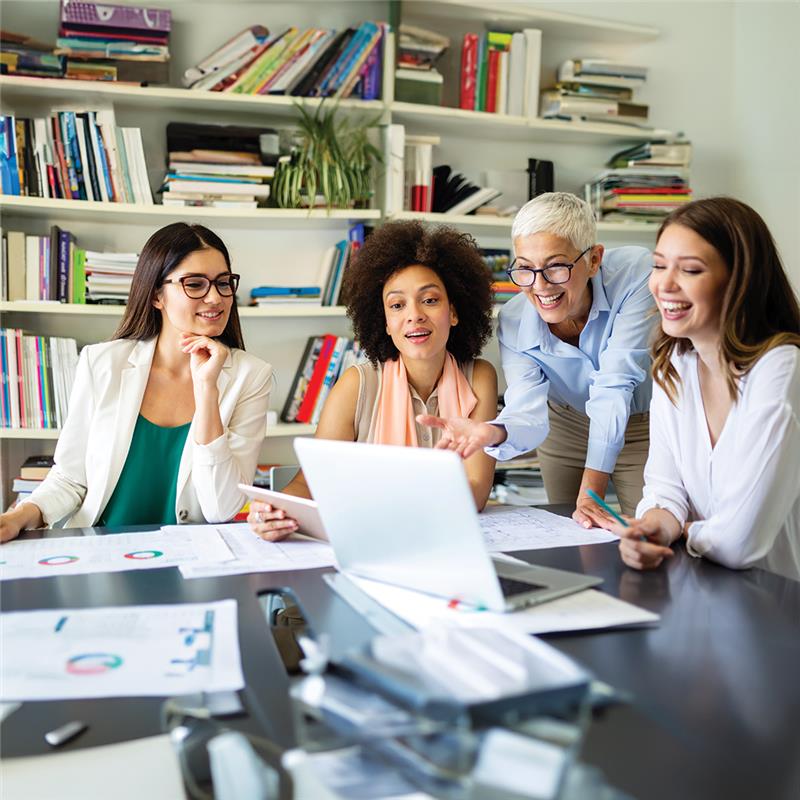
(395, 420)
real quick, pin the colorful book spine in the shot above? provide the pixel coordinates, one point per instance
(318, 376)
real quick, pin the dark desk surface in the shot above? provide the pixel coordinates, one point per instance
(715, 686)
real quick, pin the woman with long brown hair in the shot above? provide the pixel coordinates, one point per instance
(724, 463)
(168, 417)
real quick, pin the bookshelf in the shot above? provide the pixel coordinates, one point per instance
(264, 243)
(279, 431)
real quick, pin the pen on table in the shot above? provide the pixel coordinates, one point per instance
(64, 733)
(606, 507)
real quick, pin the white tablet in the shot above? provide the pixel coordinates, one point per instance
(304, 511)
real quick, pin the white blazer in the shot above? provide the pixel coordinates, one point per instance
(104, 405)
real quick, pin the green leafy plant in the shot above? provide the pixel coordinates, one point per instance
(333, 159)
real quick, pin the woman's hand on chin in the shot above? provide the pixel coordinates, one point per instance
(206, 357)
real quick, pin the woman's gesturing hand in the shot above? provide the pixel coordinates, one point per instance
(462, 435)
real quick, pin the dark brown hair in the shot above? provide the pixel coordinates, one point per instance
(162, 253)
(453, 256)
(759, 307)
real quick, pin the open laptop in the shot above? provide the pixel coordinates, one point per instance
(406, 516)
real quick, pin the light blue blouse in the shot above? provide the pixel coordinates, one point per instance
(606, 377)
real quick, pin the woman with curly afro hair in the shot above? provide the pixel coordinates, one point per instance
(420, 301)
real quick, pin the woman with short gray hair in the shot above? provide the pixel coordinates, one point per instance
(574, 348)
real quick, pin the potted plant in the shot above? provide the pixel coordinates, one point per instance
(332, 159)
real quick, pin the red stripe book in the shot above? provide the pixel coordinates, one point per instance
(318, 376)
(469, 70)
(491, 80)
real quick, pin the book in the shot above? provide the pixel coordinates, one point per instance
(301, 378)
(474, 201)
(469, 71)
(36, 467)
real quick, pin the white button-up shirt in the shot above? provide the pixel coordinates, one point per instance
(606, 377)
(745, 491)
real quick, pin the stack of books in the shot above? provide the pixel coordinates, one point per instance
(497, 262)
(325, 358)
(597, 90)
(42, 268)
(416, 78)
(500, 72)
(109, 276)
(22, 55)
(218, 165)
(38, 373)
(75, 155)
(315, 62)
(643, 183)
(53, 268)
(115, 43)
(31, 474)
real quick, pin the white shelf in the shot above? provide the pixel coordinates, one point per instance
(279, 431)
(20, 89)
(488, 223)
(519, 14)
(72, 309)
(482, 124)
(131, 212)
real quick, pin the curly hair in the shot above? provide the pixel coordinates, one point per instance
(452, 255)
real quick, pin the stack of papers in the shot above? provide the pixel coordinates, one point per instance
(81, 555)
(252, 554)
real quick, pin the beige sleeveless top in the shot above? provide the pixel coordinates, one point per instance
(369, 391)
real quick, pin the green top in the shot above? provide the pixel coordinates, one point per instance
(145, 491)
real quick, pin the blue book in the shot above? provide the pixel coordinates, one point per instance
(75, 151)
(104, 170)
(276, 291)
(334, 77)
(5, 168)
(62, 289)
(11, 154)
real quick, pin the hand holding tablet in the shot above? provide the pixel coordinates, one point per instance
(284, 509)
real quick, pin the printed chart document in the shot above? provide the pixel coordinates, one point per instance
(252, 554)
(508, 528)
(78, 555)
(587, 610)
(130, 651)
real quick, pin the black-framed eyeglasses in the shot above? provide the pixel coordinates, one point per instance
(553, 273)
(197, 287)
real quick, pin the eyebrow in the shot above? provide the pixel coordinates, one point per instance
(421, 289)
(554, 255)
(681, 258)
(203, 275)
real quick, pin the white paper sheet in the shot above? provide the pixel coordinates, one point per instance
(587, 610)
(78, 555)
(127, 771)
(252, 554)
(509, 528)
(130, 651)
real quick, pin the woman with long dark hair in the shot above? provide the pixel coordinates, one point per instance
(724, 463)
(168, 417)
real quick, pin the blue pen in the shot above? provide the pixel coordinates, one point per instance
(606, 507)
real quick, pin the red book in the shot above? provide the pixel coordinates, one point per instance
(469, 69)
(60, 162)
(491, 81)
(317, 377)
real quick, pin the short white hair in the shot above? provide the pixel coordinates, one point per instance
(560, 213)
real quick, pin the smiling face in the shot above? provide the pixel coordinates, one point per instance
(688, 283)
(207, 316)
(418, 313)
(557, 303)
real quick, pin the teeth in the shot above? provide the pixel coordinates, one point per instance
(675, 306)
(549, 301)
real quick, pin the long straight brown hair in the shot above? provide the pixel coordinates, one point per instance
(162, 253)
(759, 308)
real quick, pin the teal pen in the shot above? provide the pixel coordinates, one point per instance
(606, 507)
